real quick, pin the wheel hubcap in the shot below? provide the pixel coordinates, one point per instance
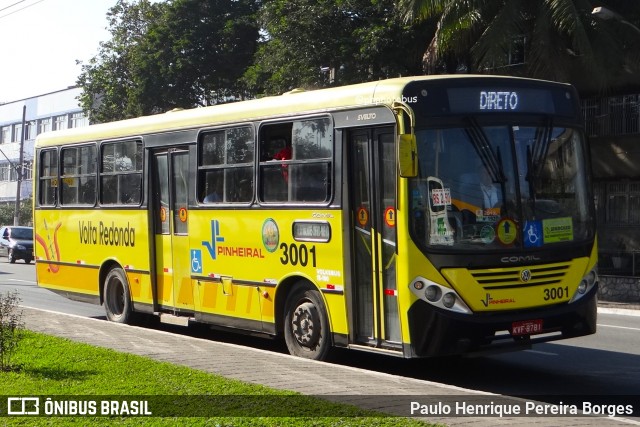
(306, 324)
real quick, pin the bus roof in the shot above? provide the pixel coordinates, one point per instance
(382, 92)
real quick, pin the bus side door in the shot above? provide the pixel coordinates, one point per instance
(372, 176)
(170, 178)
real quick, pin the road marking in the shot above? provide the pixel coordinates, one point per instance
(25, 281)
(622, 311)
(619, 327)
(546, 353)
(625, 420)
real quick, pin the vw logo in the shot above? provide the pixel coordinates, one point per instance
(525, 275)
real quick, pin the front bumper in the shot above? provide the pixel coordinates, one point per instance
(438, 332)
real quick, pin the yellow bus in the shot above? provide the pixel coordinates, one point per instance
(416, 217)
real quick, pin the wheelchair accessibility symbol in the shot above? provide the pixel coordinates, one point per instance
(533, 234)
(196, 261)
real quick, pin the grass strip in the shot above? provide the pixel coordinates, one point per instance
(54, 367)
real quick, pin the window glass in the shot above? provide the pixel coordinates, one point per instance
(31, 130)
(48, 177)
(312, 139)
(181, 192)
(121, 173)
(5, 172)
(78, 120)
(225, 171)
(17, 133)
(213, 148)
(60, 122)
(44, 125)
(482, 188)
(296, 159)
(161, 194)
(5, 134)
(79, 175)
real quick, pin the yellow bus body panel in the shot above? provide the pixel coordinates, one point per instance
(250, 262)
(71, 246)
(242, 281)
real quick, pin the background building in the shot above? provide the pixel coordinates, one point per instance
(613, 127)
(51, 111)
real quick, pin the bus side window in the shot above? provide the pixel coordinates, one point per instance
(48, 177)
(296, 161)
(275, 150)
(121, 173)
(225, 165)
(275, 175)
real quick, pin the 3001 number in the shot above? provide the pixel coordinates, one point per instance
(556, 293)
(298, 254)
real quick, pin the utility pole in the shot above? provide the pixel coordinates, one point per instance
(16, 214)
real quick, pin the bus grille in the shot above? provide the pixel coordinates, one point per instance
(517, 277)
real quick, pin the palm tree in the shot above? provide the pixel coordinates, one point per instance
(550, 39)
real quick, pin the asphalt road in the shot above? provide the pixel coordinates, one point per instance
(607, 363)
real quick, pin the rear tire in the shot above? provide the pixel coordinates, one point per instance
(117, 298)
(306, 325)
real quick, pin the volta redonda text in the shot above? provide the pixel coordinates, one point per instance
(106, 234)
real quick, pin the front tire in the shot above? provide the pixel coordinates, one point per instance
(117, 299)
(306, 325)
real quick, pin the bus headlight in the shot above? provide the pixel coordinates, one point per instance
(438, 295)
(582, 287)
(586, 284)
(449, 300)
(432, 293)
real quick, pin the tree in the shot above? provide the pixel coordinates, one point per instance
(108, 81)
(178, 54)
(196, 54)
(550, 39)
(319, 43)
(25, 215)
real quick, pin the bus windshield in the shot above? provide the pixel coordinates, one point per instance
(490, 187)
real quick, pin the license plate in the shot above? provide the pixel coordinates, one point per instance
(526, 327)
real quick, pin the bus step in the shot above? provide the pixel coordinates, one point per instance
(174, 320)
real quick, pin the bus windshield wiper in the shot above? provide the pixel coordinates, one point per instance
(492, 161)
(540, 149)
(537, 155)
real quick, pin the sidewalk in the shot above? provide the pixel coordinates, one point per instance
(334, 382)
(624, 307)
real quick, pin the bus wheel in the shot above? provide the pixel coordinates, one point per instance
(306, 327)
(117, 300)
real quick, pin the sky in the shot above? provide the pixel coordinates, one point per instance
(39, 45)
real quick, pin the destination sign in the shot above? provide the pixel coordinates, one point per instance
(500, 100)
(491, 96)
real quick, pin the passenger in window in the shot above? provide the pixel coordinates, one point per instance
(284, 154)
(212, 197)
(214, 191)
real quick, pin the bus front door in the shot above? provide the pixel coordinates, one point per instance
(373, 235)
(174, 290)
